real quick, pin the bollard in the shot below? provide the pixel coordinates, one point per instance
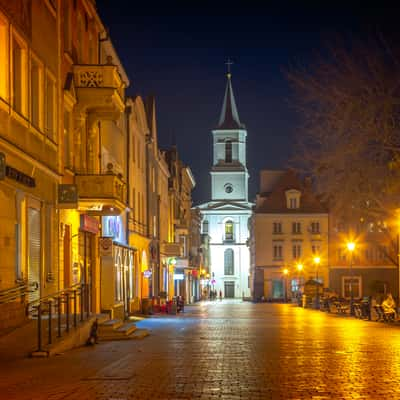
(67, 312)
(50, 318)
(81, 302)
(39, 327)
(59, 316)
(75, 308)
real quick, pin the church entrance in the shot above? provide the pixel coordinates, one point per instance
(229, 292)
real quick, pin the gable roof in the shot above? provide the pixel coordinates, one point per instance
(274, 201)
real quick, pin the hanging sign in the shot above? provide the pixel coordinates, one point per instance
(105, 246)
(147, 273)
(89, 224)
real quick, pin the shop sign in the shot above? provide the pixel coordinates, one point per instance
(105, 246)
(67, 195)
(20, 177)
(89, 224)
(179, 277)
(194, 273)
(2, 166)
(112, 226)
(147, 273)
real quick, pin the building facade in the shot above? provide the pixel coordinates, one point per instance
(30, 149)
(289, 244)
(226, 215)
(371, 269)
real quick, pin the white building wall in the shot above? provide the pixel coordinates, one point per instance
(216, 223)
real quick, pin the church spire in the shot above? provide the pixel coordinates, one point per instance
(229, 118)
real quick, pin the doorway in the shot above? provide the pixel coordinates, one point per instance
(229, 290)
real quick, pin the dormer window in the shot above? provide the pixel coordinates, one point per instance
(293, 199)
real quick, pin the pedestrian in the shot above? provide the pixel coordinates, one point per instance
(220, 294)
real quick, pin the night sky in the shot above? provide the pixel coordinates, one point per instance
(179, 56)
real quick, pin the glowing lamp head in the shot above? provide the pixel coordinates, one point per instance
(172, 261)
(285, 271)
(317, 260)
(351, 246)
(300, 267)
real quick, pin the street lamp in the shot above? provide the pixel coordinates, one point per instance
(317, 260)
(350, 247)
(299, 267)
(285, 273)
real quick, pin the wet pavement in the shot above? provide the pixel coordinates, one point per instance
(224, 350)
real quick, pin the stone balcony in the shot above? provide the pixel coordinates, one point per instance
(101, 194)
(171, 249)
(99, 89)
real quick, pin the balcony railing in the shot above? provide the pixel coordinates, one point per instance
(94, 77)
(108, 189)
(172, 249)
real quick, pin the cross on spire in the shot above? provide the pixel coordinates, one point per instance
(228, 63)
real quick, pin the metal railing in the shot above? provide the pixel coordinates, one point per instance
(17, 292)
(56, 314)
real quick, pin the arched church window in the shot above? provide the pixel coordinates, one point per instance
(228, 262)
(228, 230)
(228, 151)
(205, 226)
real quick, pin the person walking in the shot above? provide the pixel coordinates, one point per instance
(220, 294)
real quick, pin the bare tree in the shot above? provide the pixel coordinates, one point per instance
(350, 140)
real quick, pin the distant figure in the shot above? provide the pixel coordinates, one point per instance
(220, 294)
(389, 306)
(93, 338)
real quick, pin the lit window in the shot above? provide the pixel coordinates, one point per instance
(4, 64)
(351, 286)
(228, 230)
(51, 110)
(36, 94)
(20, 79)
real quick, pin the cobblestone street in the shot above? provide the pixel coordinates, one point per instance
(224, 350)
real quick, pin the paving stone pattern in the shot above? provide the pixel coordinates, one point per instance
(224, 350)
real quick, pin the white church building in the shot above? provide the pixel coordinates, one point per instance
(226, 216)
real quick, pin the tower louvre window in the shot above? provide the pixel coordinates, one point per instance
(228, 151)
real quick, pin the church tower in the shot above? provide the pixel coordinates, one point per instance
(225, 218)
(229, 176)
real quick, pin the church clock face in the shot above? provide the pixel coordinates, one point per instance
(228, 188)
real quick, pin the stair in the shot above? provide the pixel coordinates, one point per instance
(118, 330)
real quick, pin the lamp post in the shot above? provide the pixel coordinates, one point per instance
(300, 269)
(285, 273)
(350, 247)
(317, 260)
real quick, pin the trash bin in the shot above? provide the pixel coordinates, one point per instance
(146, 306)
(304, 301)
(171, 307)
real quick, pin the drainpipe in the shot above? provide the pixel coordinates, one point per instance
(128, 111)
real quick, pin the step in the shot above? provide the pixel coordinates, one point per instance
(127, 328)
(139, 334)
(110, 325)
(135, 334)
